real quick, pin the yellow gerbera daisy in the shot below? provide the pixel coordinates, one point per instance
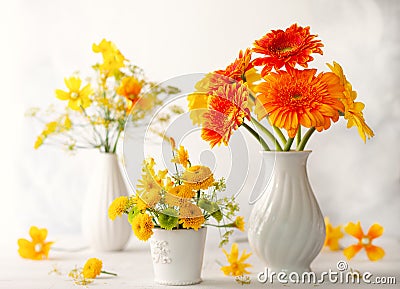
(236, 266)
(198, 177)
(117, 207)
(77, 98)
(353, 110)
(142, 226)
(191, 217)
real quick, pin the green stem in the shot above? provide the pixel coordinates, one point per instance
(257, 136)
(298, 138)
(116, 141)
(92, 124)
(288, 144)
(280, 134)
(267, 133)
(109, 273)
(305, 139)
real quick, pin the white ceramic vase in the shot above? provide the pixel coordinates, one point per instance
(178, 256)
(286, 227)
(101, 233)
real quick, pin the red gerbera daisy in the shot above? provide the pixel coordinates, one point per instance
(286, 48)
(299, 97)
(226, 112)
(236, 70)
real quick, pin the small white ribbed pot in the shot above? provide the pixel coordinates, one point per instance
(177, 256)
(101, 233)
(286, 227)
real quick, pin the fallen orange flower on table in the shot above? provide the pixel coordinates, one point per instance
(37, 249)
(333, 235)
(374, 253)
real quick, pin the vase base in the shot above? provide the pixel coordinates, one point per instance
(178, 282)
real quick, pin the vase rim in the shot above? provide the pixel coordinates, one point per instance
(173, 230)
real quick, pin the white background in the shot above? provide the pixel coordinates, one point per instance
(45, 41)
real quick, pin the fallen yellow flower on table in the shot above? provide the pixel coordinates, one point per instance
(333, 235)
(236, 266)
(38, 248)
(90, 271)
(374, 253)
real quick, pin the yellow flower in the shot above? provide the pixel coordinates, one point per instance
(191, 217)
(130, 88)
(39, 141)
(38, 248)
(113, 59)
(374, 253)
(142, 226)
(140, 204)
(333, 235)
(117, 207)
(236, 266)
(179, 195)
(77, 98)
(239, 223)
(197, 104)
(92, 268)
(182, 157)
(353, 110)
(198, 177)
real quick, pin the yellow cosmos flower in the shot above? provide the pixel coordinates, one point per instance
(198, 177)
(182, 157)
(38, 248)
(353, 110)
(77, 98)
(92, 268)
(191, 217)
(142, 226)
(113, 59)
(118, 207)
(333, 235)
(236, 266)
(374, 253)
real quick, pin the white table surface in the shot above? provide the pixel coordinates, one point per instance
(134, 267)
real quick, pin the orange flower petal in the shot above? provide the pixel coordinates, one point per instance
(37, 235)
(354, 230)
(375, 231)
(374, 253)
(352, 250)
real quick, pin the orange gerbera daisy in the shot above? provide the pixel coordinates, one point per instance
(286, 48)
(298, 97)
(236, 70)
(227, 110)
(374, 253)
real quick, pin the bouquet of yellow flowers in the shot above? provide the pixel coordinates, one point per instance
(187, 199)
(96, 111)
(288, 97)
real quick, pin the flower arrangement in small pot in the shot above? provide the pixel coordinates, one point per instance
(173, 212)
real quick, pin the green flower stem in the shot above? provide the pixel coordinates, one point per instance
(257, 136)
(267, 133)
(230, 225)
(92, 124)
(116, 141)
(280, 134)
(298, 137)
(305, 139)
(288, 144)
(109, 273)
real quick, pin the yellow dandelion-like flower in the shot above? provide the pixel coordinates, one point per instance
(182, 157)
(198, 177)
(142, 226)
(140, 204)
(92, 268)
(118, 207)
(191, 217)
(239, 223)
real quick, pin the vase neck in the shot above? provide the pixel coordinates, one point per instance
(288, 161)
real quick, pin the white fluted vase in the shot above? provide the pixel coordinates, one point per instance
(286, 227)
(101, 233)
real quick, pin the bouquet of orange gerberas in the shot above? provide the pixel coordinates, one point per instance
(287, 93)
